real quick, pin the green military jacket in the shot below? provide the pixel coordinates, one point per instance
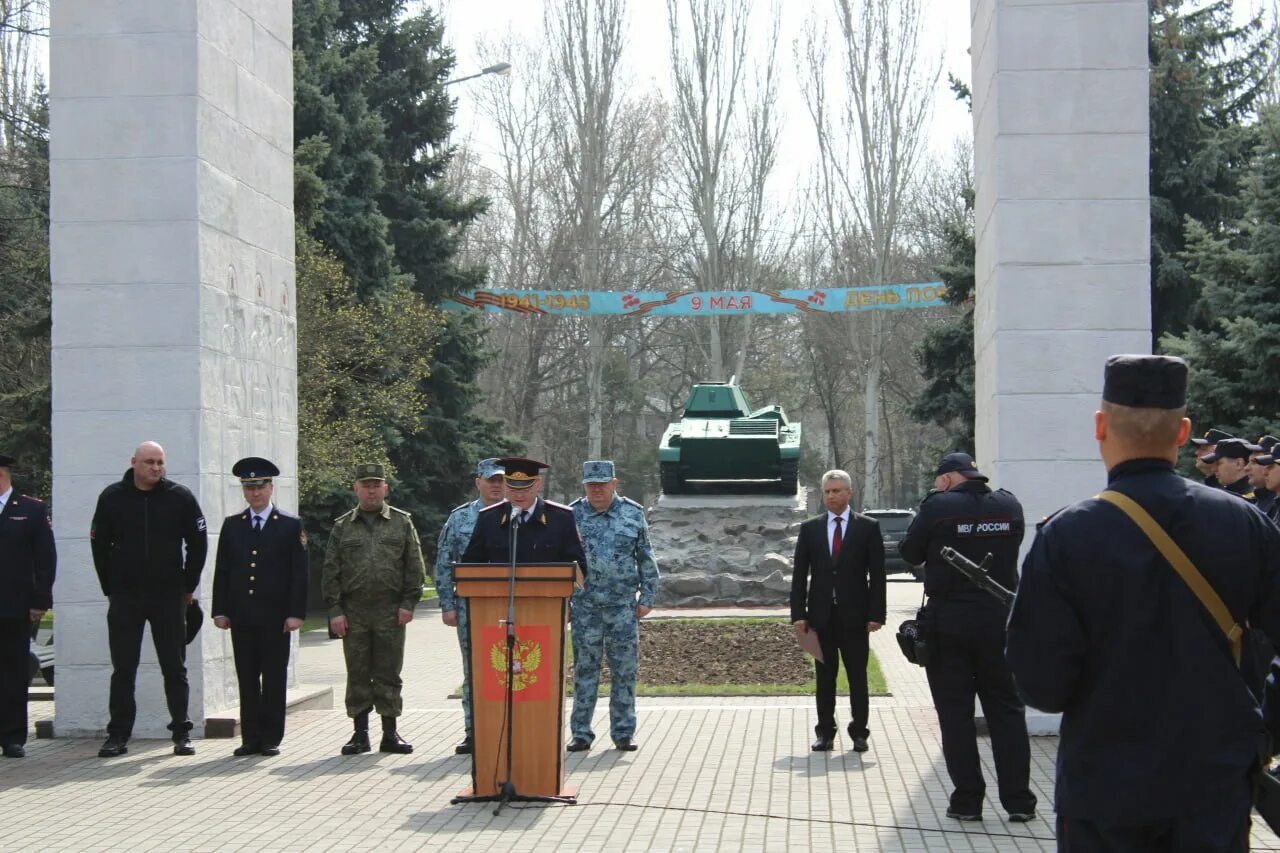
(373, 563)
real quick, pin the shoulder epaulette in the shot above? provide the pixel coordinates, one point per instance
(556, 505)
(403, 512)
(933, 493)
(459, 507)
(635, 504)
(30, 498)
(1042, 522)
(576, 501)
(351, 513)
(492, 507)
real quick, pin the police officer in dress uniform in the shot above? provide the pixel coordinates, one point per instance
(1160, 732)
(1230, 458)
(372, 582)
(968, 624)
(1264, 498)
(454, 537)
(1269, 462)
(260, 594)
(547, 531)
(1202, 447)
(27, 564)
(607, 609)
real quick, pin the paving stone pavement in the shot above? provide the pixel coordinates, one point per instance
(711, 774)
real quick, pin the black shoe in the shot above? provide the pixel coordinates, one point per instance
(823, 744)
(860, 744)
(625, 744)
(270, 751)
(952, 813)
(578, 744)
(392, 742)
(359, 743)
(114, 746)
(1021, 817)
(15, 750)
(465, 747)
(246, 749)
(182, 745)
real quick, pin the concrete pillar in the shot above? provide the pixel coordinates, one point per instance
(1061, 149)
(171, 169)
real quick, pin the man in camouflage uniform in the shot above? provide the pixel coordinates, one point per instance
(372, 581)
(453, 542)
(605, 612)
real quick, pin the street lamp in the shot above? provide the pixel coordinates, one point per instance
(503, 68)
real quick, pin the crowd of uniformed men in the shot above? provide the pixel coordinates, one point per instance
(1142, 614)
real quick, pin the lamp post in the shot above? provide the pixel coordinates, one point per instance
(503, 68)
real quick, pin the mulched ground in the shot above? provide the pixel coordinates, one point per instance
(680, 651)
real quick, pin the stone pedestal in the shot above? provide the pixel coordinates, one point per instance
(171, 245)
(1061, 150)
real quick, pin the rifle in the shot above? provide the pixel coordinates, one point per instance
(977, 573)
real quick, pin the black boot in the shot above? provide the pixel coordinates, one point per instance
(392, 742)
(360, 738)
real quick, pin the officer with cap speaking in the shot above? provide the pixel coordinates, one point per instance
(260, 595)
(607, 610)
(547, 531)
(454, 537)
(968, 625)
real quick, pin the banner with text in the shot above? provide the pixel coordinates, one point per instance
(693, 303)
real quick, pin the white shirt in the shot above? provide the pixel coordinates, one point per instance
(264, 515)
(4, 499)
(831, 527)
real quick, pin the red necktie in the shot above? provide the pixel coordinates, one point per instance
(835, 542)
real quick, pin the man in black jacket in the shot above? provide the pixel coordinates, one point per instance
(968, 634)
(260, 594)
(27, 562)
(1160, 732)
(139, 529)
(837, 589)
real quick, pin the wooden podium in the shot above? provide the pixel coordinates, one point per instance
(537, 700)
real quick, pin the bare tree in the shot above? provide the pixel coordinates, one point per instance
(21, 21)
(871, 138)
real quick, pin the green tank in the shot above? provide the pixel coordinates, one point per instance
(721, 445)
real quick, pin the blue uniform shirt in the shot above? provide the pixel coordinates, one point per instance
(453, 540)
(1156, 716)
(622, 562)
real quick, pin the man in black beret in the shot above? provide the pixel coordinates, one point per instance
(1160, 732)
(1230, 458)
(967, 660)
(260, 594)
(27, 564)
(1202, 447)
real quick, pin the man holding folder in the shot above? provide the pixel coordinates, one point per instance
(838, 591)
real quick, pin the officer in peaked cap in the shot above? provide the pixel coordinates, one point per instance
(27, 564)
(454, 537)
(547, 533)
(1264, 497)
(607, 609)
(1202, 447)
(372, 582)
(260, 595)
(969, 630)
(1230, 458)
(1160, 732)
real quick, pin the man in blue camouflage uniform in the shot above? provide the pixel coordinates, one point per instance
(605, 612)
(454, 537)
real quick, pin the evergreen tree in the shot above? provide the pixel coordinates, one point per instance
(1207, 76)
(1235, 361)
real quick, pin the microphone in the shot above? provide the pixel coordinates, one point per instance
(516, 515)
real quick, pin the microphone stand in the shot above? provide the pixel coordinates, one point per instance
(507, 792)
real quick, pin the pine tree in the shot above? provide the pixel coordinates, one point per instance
(1235, 361)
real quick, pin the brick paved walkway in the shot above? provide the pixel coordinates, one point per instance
(712, 773)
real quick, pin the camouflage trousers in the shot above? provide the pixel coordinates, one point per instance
(615, 631)
(374, 651)
(464, 643)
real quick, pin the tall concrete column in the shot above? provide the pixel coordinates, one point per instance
(171, 169)
(1061, 150)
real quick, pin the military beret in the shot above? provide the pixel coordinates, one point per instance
(1228, 448)
(6, 460)
(520, 473)
(962, 463)
(1212, 436)
(1145, 381)
(598, 471)
(370, 471)
(254, 471)
(487, 468)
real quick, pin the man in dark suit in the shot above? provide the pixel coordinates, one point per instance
(837, 589)
(27, 562)
(260, 594)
